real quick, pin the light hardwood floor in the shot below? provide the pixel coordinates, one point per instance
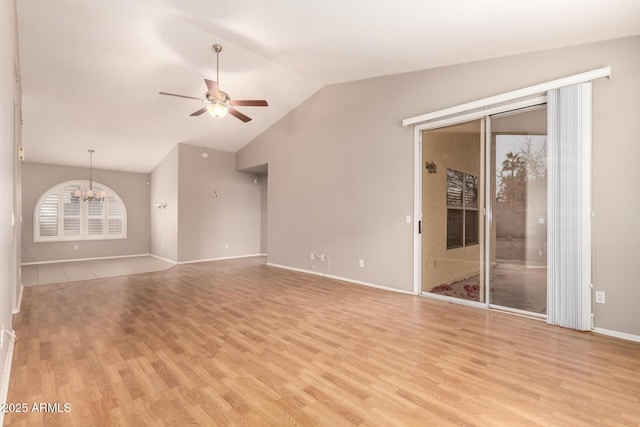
(240, 343)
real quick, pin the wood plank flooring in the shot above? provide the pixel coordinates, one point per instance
(239, 343)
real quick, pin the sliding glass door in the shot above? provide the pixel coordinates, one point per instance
(518, 203)
(484, 211)
(452, 195)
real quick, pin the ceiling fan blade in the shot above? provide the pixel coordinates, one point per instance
(239, 115)
(249, 103)
(181, 96)
(200, 111)
(213, 87)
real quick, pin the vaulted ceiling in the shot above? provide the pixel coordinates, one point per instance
(91, 70)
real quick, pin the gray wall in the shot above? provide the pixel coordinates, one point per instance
(340, 184)
(10, 103)
(218, 206)
(164, 221)
(341, 167)
(37, 178)
(264, 214)
(209, 205)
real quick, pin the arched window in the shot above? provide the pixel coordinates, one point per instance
(60, 216)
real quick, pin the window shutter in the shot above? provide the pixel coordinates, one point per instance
(70, 211)
(471, 191)
(48, 216)
(114, 217)
(471, 228)
(454, 228)
(95, 214)
(454, 188)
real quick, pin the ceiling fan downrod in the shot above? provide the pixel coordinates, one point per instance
(217, 49)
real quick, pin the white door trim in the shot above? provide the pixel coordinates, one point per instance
(417, 212)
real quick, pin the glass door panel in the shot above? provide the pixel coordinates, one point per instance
(518, 195)
(452, 193)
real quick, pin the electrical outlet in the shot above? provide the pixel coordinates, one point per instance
(600, 297)
(361, 263)
(76, 247)
(226, 246)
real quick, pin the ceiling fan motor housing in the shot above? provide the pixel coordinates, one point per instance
(223, 98)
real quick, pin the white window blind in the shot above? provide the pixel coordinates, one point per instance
(60, 216)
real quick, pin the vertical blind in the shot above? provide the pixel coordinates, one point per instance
(569, 187)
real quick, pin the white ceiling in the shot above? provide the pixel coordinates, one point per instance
(91, 70)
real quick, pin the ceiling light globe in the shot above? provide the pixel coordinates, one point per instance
(217, 109)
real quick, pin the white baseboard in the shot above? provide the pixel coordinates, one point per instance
(6, 376)
(140, 255)
(344, 279)
(219, 259)
(163, 259)
(84, 259)
(19, 302)
(617, 334)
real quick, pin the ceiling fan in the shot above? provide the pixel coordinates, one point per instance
(219, 102)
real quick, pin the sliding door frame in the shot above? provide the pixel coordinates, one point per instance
(485, 211)
(482, 108)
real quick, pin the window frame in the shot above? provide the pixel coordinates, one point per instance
(84, 215)
(463, 208)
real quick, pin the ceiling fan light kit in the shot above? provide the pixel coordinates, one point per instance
(217, 109)
(219, 103)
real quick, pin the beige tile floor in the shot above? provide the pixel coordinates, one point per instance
(61, 272)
